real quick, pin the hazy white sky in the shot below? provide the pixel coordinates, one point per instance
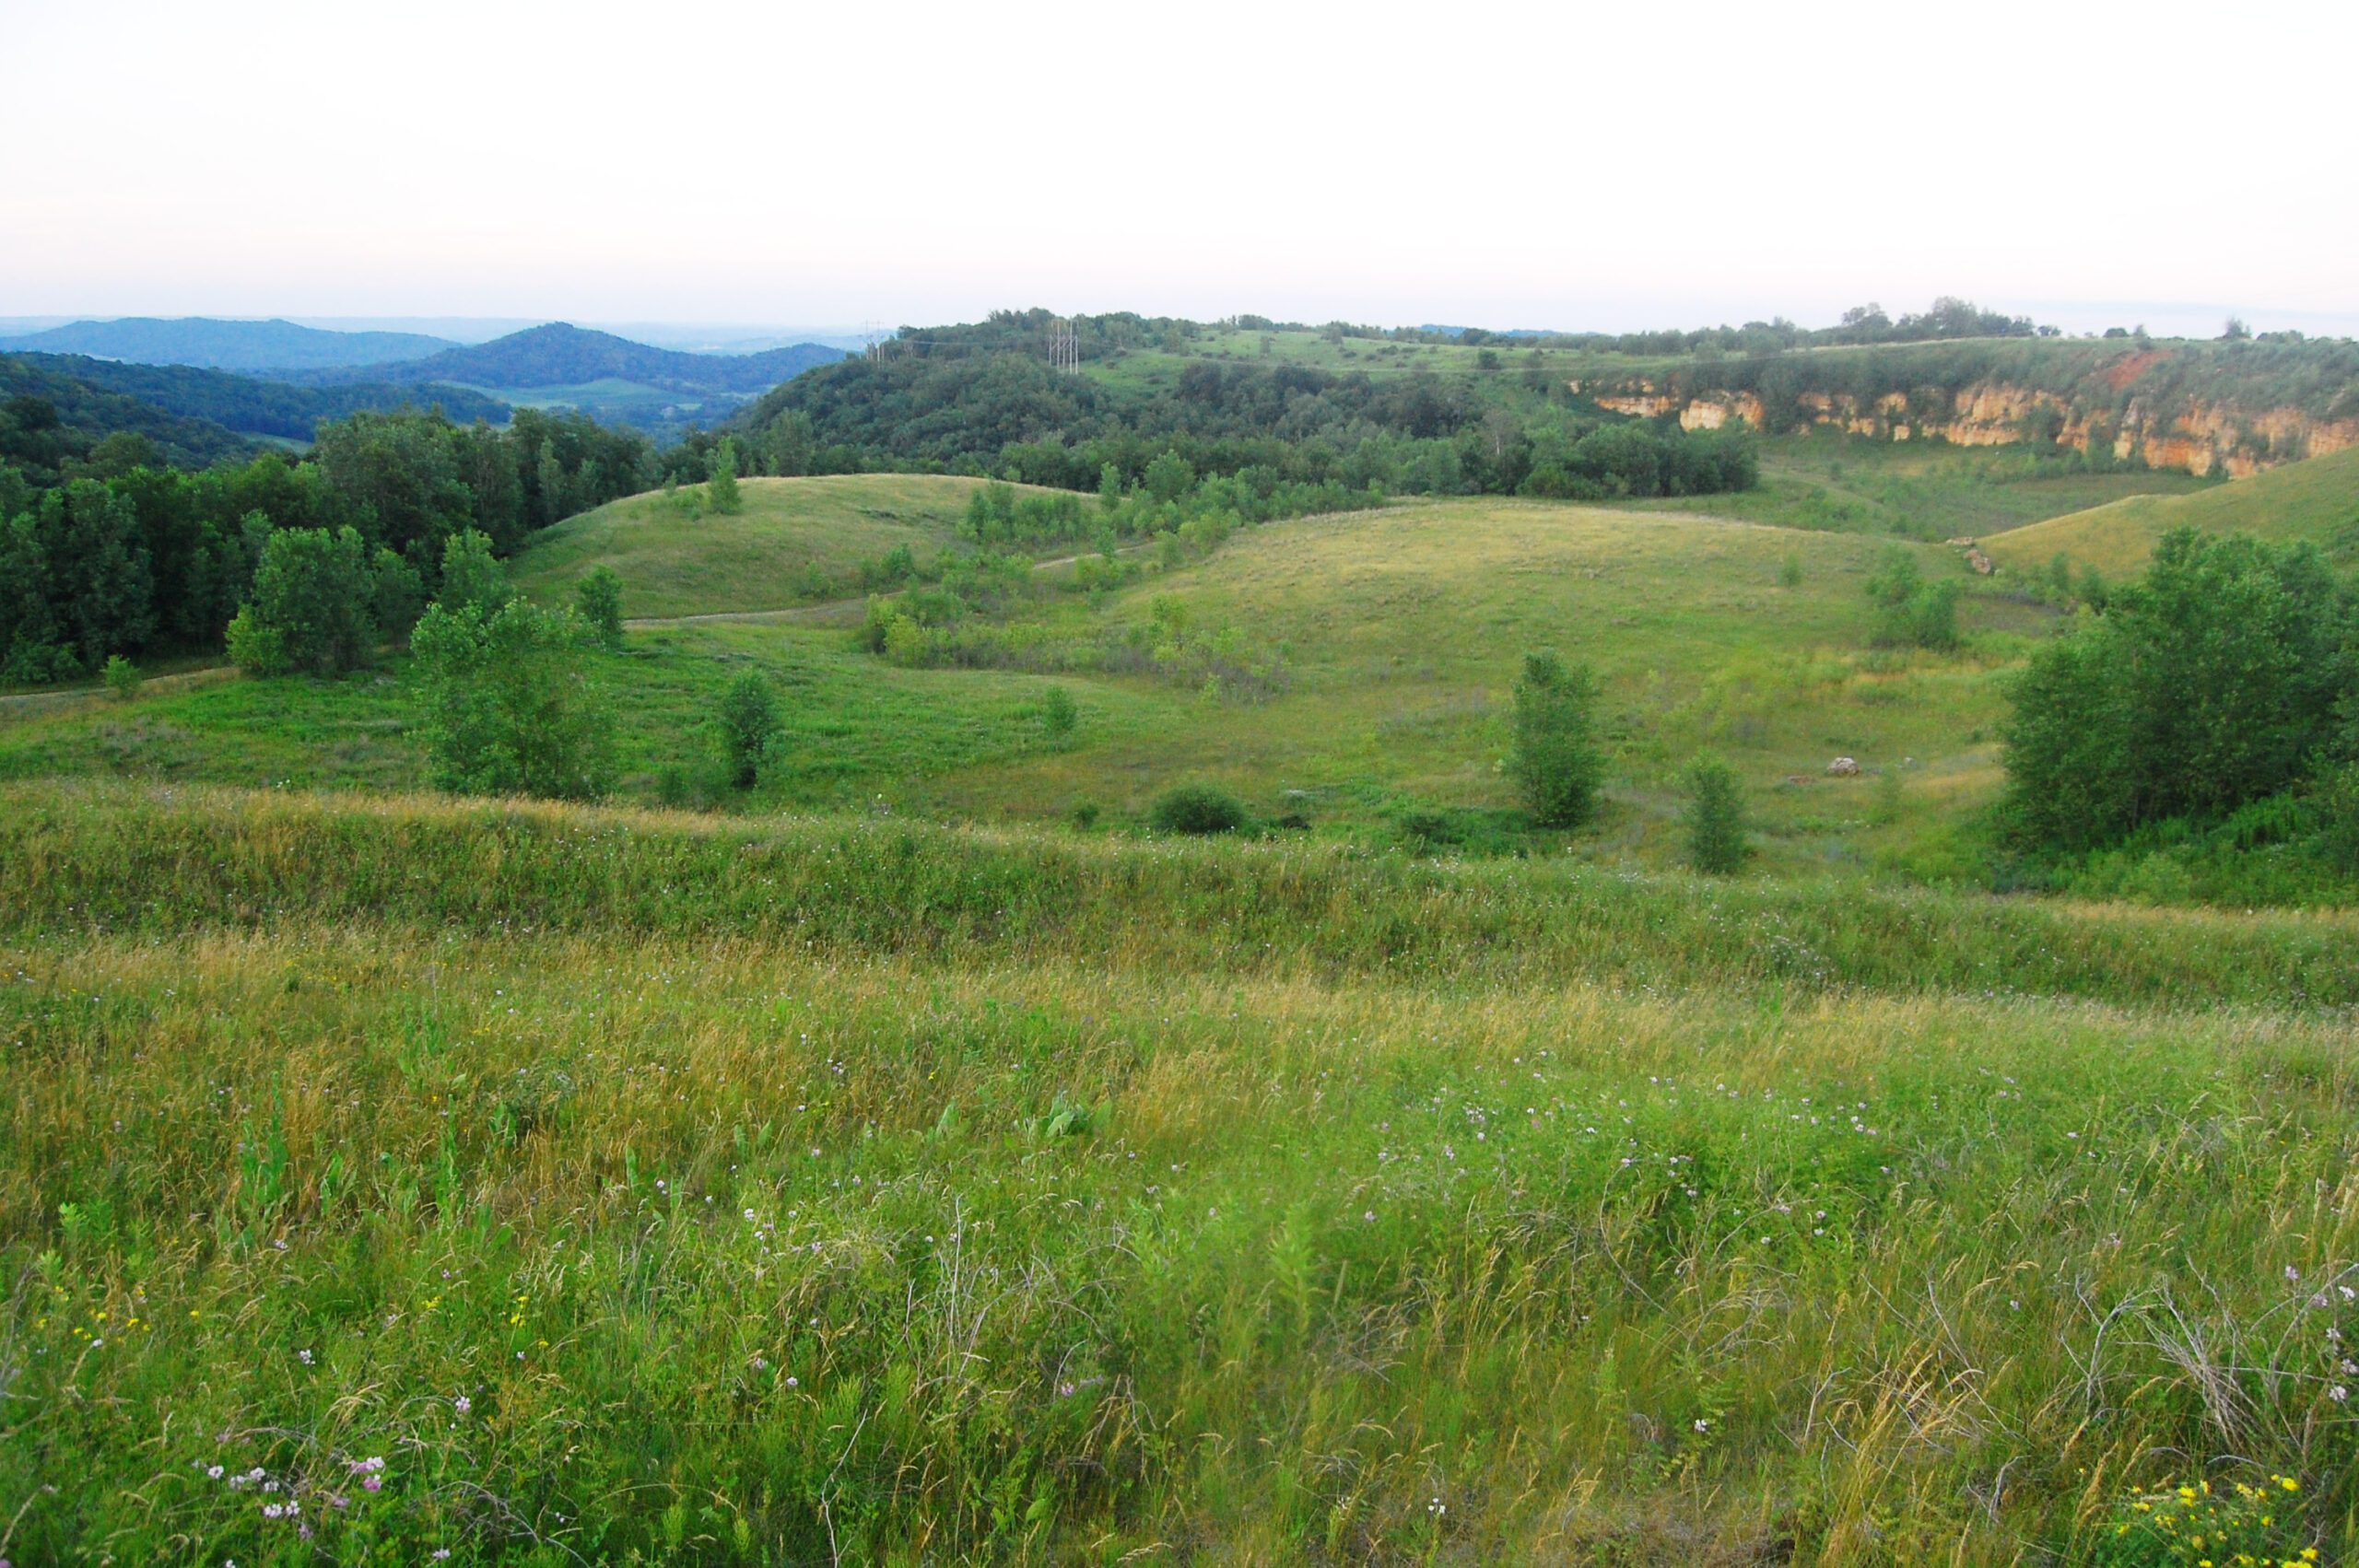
(1544, 165)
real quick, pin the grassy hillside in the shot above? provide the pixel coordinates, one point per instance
(544, 1184)
(796, 539)
(2316, 500)
(1396, 633)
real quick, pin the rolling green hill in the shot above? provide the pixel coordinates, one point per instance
(2316, 499)
(797, 540)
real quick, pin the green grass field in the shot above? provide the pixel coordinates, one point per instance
(796, 541)
(632, 1187)
(874, 1167)
(1400, 631)
(2316, 499)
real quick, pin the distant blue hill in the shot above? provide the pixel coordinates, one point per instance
(218, 344)
(560, 355)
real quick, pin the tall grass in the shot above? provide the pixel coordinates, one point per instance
(113, 858)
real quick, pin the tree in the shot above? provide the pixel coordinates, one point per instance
(1790, 571)
(1716, 833)
(397, 594)
(474, 582)
(2215, 680)
(599, 596)
(311, 605)
(748, 723)
(1557, 764)
(1058, 713)
(720, 489)
(508, 707)
(1169, 477)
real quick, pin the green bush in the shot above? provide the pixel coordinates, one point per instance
(1058, 713)
(720, 492)
(1715, 831)
(1556, 763)
(1911, 612)
(121, 675)
(599, 596)
(2213, 682)
(311, 606)
(509, 709)
(1199, 808)
(748, 723)
(472, 582)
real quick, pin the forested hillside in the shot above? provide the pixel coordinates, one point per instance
(559, 354)
(50, 421)
(253, 405)
(226, 344)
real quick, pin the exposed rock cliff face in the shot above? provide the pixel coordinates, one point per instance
(2201, 438)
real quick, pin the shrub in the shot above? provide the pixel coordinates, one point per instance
(720, 492)
(311, 605)
(122, 676)
(1084, 814)
(397, 594)
(1911, 612)
(599, 596)
(1716, 833)
(1198, 808)
(1058, 713)
(1557, 764)
(508, 707)
(2213, 682)
(748, 723)
(1790, 572)
(474, 582)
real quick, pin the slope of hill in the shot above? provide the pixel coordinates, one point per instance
(972, 1196)
(226, 344)
(48, 418)
(2316, 500)
(256, 405)
(796, 539)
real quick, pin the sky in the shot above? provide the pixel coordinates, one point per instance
(1563, 165)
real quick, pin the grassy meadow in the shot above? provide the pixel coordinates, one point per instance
(2316, 500)
(914, 1160)
(558, 1185)
(1397, 633)
(796, 541)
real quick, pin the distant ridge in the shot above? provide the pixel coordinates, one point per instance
(257, 405)
(210, 342)
(562, 355)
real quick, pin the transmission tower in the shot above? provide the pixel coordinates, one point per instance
(1065, 347)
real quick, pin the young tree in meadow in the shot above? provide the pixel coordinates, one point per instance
(1059, 714)
(748, 723)
(1716, 833)
(599, 596)
(508, 710)
(720, 492)
(1556, 763)
(474, 582)
(311, 608)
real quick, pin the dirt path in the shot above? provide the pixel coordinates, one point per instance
(180, 681)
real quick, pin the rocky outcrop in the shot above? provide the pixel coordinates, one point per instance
(2200, 438)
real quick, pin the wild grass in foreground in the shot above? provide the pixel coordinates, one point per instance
(340, 1242)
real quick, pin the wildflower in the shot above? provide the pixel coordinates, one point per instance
(373, 1483)
(272, 1510)
(793, 1382)
(213, 1471)
(462, 1404)
(1703, 1425)
(2337, 1393)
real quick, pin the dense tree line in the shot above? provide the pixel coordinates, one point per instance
(2228, 675)
(155, 559)
(253, 404)
(1004, 411)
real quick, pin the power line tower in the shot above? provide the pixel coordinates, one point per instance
(876, 343)
(1065, 347)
